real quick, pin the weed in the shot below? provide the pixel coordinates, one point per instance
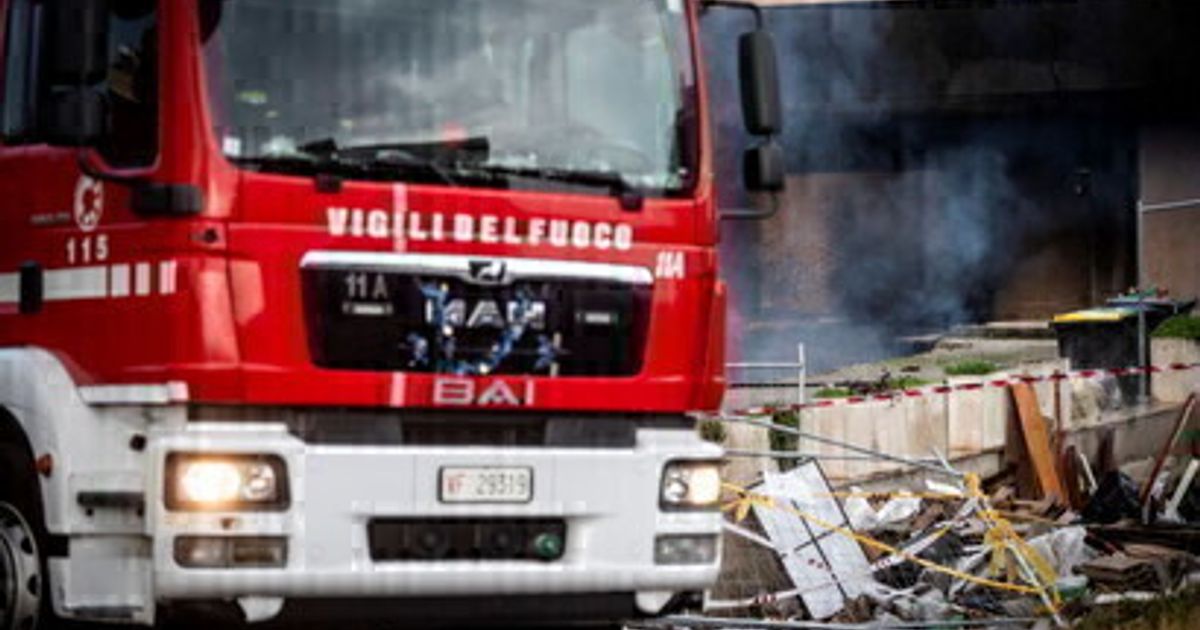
(713, 431)
(1179, 327)
(781, 441)
(971, 367)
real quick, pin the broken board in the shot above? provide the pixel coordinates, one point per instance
(825, 566)
(1037, 442)
(1168, 447)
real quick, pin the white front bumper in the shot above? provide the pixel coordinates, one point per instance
(608, 498)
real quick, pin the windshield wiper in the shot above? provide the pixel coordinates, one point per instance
(630, 197)
(329, 164)
(429, 160)
(477, 147)
(409, 157)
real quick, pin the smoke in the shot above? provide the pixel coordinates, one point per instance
(950, 163)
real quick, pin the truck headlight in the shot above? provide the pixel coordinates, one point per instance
(196, 482)
(691, 485)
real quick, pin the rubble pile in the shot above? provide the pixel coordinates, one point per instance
(1042, 543)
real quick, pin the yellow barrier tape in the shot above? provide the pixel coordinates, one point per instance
(1000, 538)
(746, 500)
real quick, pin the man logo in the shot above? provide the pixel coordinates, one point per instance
(488, 271)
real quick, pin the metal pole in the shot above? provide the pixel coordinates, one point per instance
(1143, 378)
(801, 374)
(915, 463)
(695, 622)
(788, 455)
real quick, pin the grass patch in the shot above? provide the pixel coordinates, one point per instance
(1179, 327)
(909, 382)
(1177, 612)
(973, 367)
(833, 392)
(872, 388)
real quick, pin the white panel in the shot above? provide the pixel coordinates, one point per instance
(142, 279)
(163, 394)
(10, 288)
(827, 569)
(107, 573)
(119, 277)
(166, 277)
(80, 283)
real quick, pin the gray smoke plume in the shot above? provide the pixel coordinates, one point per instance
(942, 154)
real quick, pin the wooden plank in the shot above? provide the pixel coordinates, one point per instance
(1168, 447)
(1037, 442)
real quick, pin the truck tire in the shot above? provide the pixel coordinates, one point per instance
(24, 590)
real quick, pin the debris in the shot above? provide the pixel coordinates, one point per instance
(1105, 599)
(827, 569)
(1072, 587)
(1171, 513)
(930, 605)
(953, 554)
(1138, 568)
(1068, 466)
(1037, 441)
(1089, 476)
(865, 518)
(1119, 572)
(1115, 499)
(1185, 414)
(1065, 549)
(943, 550)
(1181, 537)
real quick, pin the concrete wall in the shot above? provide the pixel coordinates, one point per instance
(1170, 171)
(972, 426)
(957, 425)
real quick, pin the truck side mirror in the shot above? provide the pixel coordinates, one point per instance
(762, 168)
(77, 41)
(759, 74)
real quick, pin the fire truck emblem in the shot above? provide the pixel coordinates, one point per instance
(89, 203)
(488, 271)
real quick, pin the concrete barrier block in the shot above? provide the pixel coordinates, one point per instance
(966, 418)
(1174, 386)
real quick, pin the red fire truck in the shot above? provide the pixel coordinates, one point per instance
(366, 307)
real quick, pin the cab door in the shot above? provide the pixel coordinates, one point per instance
(76, 232)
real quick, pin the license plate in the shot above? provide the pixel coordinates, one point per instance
(486, 485)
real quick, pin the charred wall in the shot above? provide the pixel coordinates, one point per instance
(953, 161)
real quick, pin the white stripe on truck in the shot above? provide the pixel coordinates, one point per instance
(98, 282)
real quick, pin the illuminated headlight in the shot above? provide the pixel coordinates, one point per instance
(691, 485)
(226, 483)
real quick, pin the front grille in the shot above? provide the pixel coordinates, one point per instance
(395, 540)
(384, 319)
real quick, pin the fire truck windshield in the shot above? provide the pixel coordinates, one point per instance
(447, 91)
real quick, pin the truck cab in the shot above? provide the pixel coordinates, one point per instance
(394, 304)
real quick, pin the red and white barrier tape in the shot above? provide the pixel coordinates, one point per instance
(936, 390)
